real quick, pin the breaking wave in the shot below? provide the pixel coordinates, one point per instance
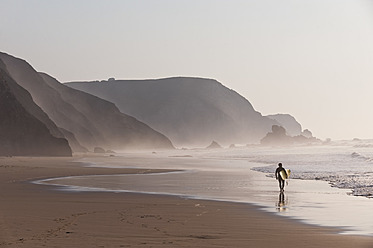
(345, 168)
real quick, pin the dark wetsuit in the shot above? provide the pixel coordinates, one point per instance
(281, 181)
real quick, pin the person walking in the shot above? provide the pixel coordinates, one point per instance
(281, 182)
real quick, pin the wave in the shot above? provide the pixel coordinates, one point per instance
(363, 157)
(360, 183)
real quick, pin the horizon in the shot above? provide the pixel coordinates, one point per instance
(311, 60)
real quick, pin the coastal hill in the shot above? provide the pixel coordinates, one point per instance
(190, 111)
(24, 128)
(85, 120)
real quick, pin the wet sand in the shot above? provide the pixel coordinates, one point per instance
(40, 216)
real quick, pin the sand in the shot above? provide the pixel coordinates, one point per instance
(40, 216)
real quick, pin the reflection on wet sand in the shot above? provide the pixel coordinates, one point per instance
(281, 204)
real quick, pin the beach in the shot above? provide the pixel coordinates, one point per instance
(34, 215)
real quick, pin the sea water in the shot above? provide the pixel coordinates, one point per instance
(330, 185)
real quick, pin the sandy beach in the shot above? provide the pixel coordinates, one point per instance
(40, 216)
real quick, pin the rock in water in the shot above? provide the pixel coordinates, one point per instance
(214, 145)
(99, 150)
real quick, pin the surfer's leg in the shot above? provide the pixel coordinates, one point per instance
(280, 183)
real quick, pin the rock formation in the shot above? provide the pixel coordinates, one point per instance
(98, 150)
(214, 145)
(293, 128)
(279, 137)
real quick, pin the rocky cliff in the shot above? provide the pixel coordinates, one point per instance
(85, 120)
(23, 125)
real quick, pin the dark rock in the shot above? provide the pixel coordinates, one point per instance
(98, 150)
(214, 145)
(292, 126)
(307, 133)
(277, 137)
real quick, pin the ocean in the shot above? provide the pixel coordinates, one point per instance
(330, 185)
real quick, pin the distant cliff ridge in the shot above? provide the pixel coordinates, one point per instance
(130, 114)
(21, 132)
(190, 111)
(85, 120)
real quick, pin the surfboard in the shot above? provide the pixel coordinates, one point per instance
(285, 174)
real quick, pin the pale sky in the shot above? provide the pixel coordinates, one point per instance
(312, 59)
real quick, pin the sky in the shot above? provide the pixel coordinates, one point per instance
(311, 59)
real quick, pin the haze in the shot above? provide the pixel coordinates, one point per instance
(312, 59)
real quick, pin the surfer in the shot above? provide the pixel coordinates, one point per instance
(281, 181)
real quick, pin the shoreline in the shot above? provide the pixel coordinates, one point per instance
(36, 215)
(307, 201)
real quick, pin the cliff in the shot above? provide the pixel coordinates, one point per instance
(190, 111)
(22, 133)
(85, 120)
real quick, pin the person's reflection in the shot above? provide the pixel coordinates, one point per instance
(281, 205)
